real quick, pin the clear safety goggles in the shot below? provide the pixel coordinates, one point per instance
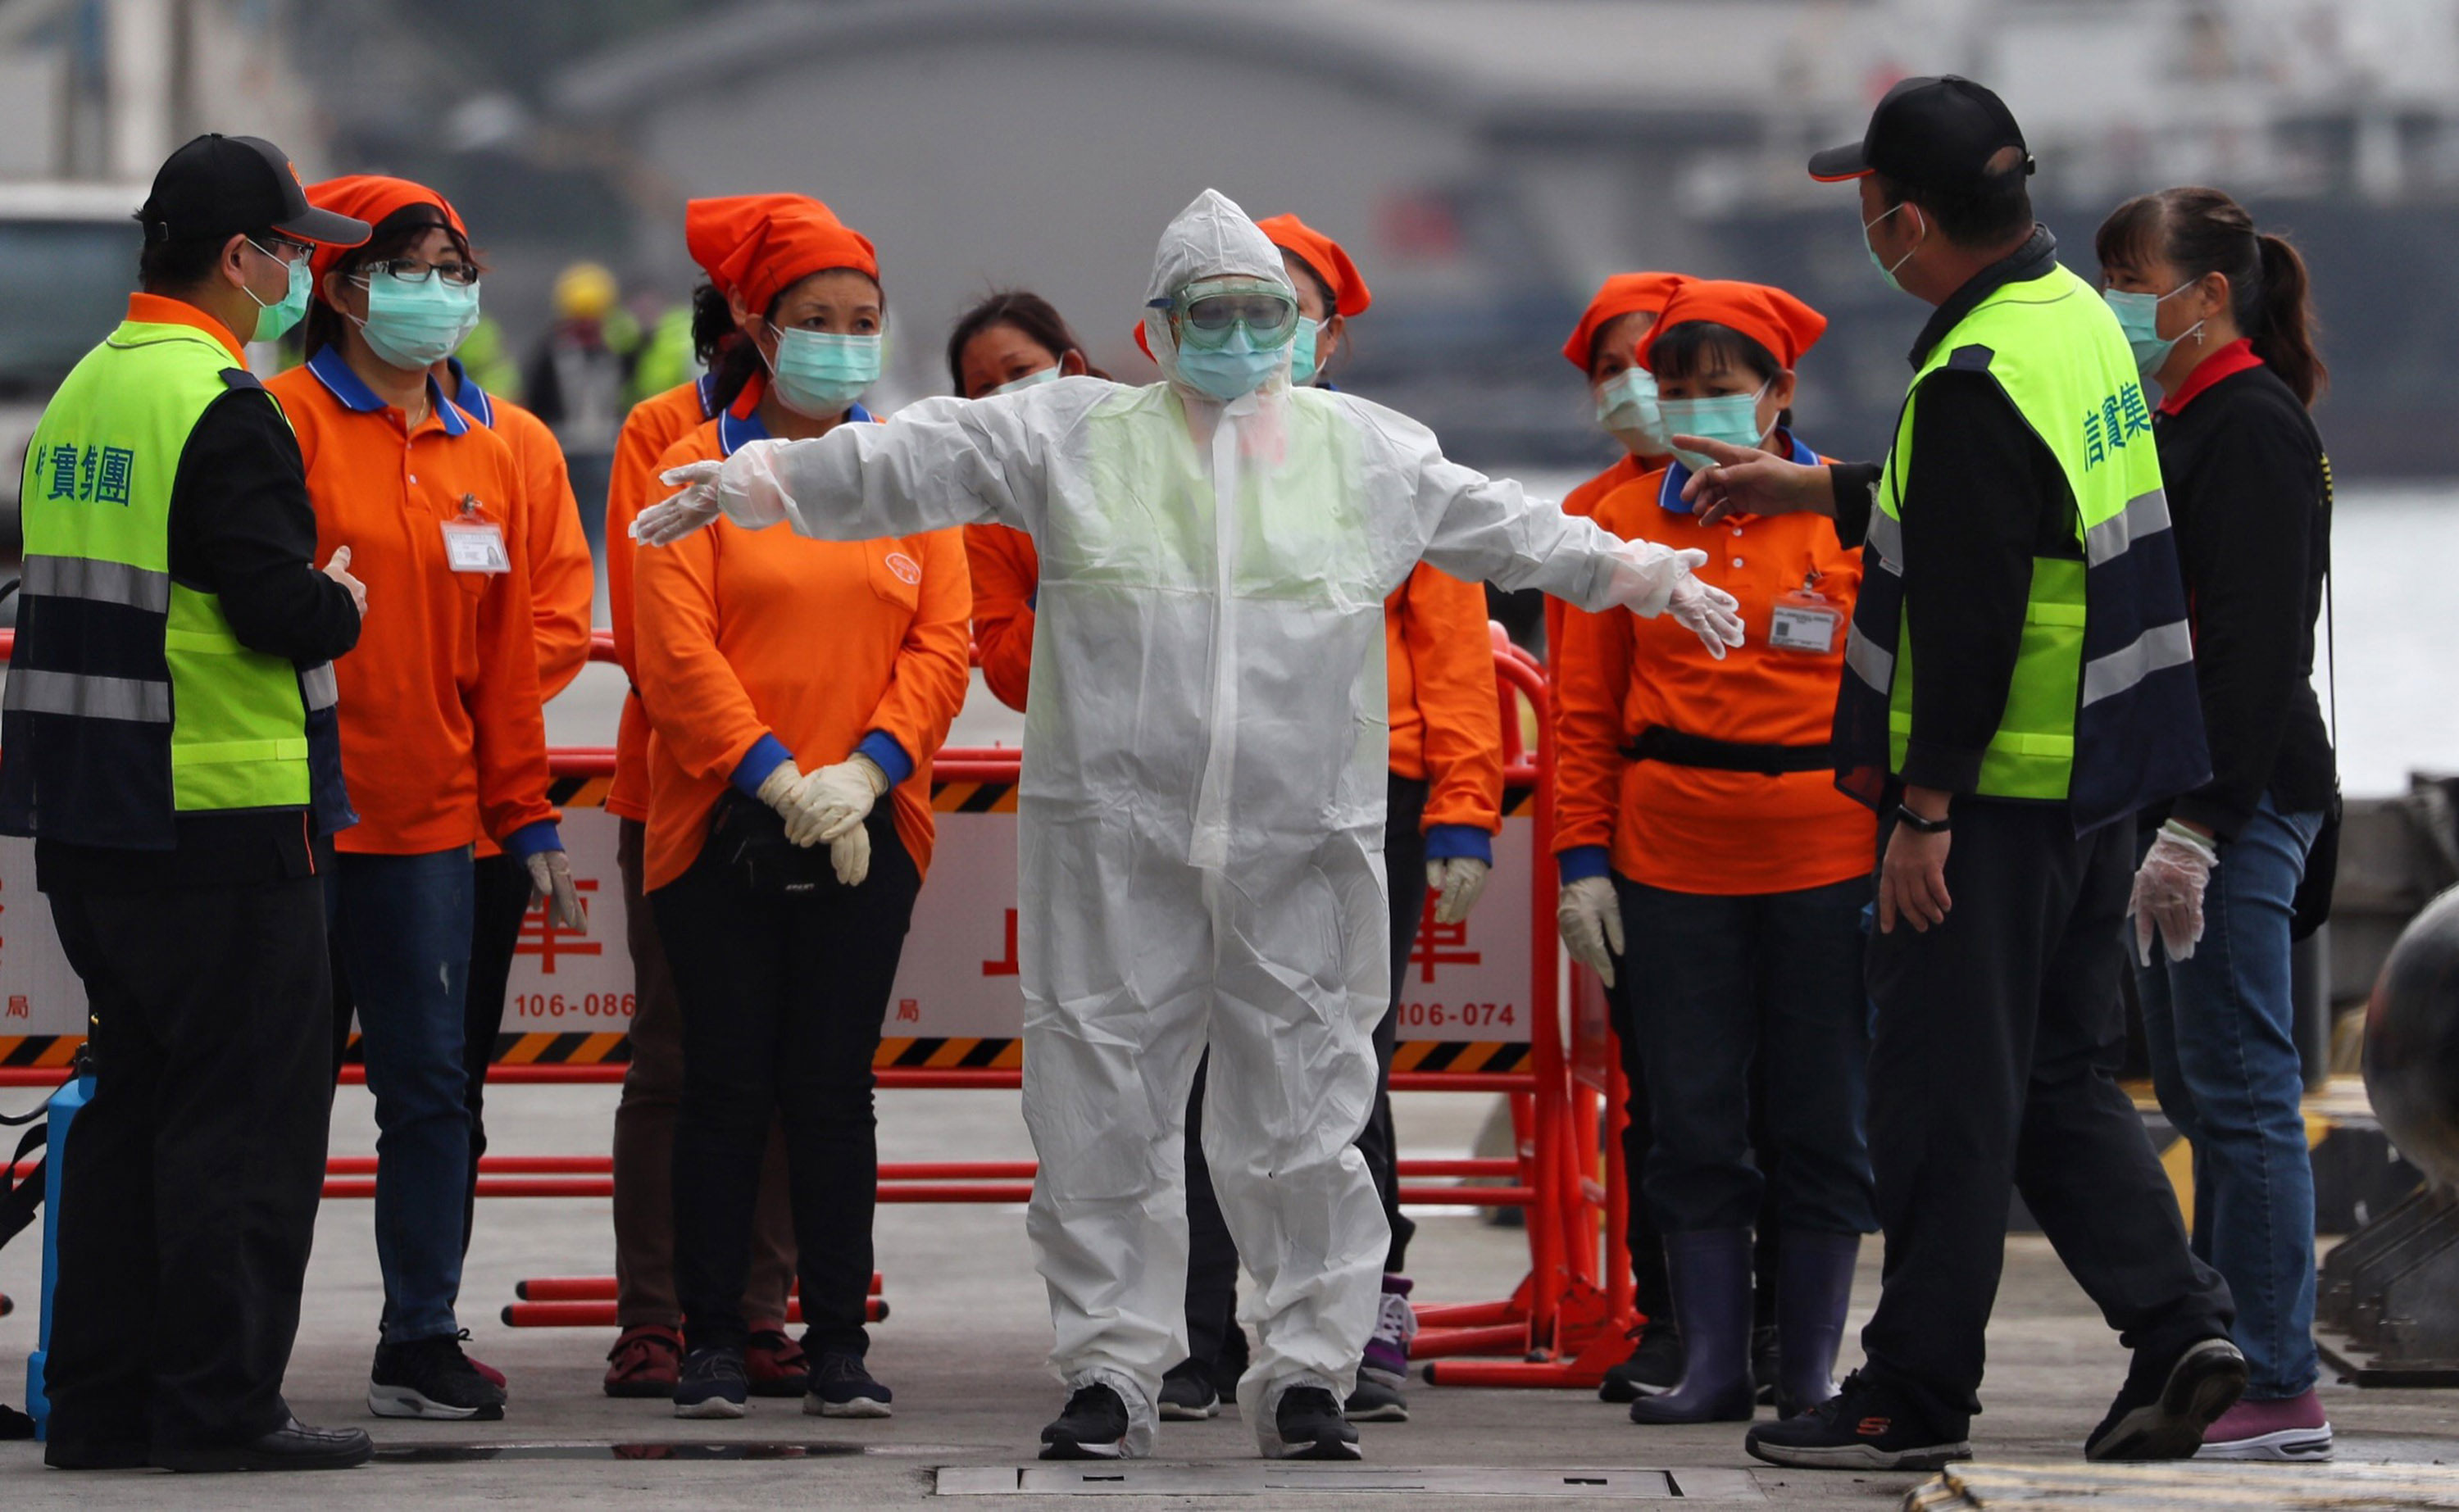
(1210, 312)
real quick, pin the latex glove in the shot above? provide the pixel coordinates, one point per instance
(551, 879)
(1645, 574)
(777, 789)
(2169, 893)
(744, 488)
(851, 854)
(1456, 883)
(1708, 612)
(339, 570)
(1590, 920)
(833, 800)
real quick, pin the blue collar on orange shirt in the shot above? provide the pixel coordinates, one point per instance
(467, 393)
(333, 371)
(1668, 493)
(734, 430)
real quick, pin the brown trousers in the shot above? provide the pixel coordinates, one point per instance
(644, 1143)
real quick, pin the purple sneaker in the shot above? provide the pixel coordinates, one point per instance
(2292, 1429)
(1387, 1353)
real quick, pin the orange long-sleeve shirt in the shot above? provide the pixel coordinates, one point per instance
(1583, 501)
(655, 424)
(744, 634)
(1007, 571)
(562, 578)
(1446, 717)
(1689, 828)
(443, 733)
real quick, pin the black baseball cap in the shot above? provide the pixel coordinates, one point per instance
(220, 186)
(1938, 133)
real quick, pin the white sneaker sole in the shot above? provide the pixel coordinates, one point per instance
(2285, 1446)
(1861, 1456)
(711, 1407)
(859, 1407)
(404, 1401)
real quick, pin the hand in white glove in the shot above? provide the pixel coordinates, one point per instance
(1646, 573)
(851, 854)
(551, 879)
(744, 488)
(833, 800)
(777, 789)
(671, 520)
(1590, 920)
(1456, 883)
(1708, 612)
(339, 570)
(2169, 893)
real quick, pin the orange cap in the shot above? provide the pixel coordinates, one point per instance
(1771, 317)
(1622, 294)
(1350, 295)
(371, 197)
(752, 247)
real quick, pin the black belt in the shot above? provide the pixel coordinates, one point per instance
(1674, 748)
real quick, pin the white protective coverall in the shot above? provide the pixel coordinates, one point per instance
(1201, 811)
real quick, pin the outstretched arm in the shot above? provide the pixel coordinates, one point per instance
(939, 464)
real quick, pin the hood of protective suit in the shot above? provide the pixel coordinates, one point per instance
(1212, 238)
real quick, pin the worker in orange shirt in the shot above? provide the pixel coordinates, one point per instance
(1715, 879)
(1011, 339)
(790, 683)
(443, 738)
(1604, 346)
(563, 581)
(647, 1359)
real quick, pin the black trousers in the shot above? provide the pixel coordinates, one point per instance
(1993, 1065)
(783, 999)
(1212, 1255)
(189, 1184)
(501, 902)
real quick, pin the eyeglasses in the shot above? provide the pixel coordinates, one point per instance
(1207, 312)
(412, 270)
(281, 248)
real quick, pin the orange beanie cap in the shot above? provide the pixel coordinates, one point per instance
(755, 246)
(1350, 295)
(1622, 294)
(1771, 317)
(371, 197)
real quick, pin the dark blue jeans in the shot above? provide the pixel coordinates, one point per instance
(401, 924)
(1719, 982)
(2221, 1031)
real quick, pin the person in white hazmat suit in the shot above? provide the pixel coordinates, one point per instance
(1201, 811)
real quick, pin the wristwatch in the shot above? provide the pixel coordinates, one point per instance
(1921, 826)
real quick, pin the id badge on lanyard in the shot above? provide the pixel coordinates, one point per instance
(1806, 620)
(473, 543)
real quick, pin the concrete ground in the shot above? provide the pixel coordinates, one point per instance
(964, 1351)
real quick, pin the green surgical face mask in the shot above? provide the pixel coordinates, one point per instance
(1302, 352)
(274, 321)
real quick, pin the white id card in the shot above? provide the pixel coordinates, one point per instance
(1804, 621)
(475, 546)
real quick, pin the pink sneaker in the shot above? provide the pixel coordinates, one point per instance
(2292, 1430)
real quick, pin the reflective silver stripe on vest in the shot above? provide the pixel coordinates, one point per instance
(2154, 650)
(1868, 662)
(1887, 536)
(97, 582)
(83, 697)
(318, 687)
(2144, 515)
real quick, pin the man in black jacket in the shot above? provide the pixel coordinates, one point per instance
(170, 743)
(2028, 570)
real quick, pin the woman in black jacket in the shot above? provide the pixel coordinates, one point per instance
(2218, 315)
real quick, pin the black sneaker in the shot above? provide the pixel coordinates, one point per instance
(292, 1446)
(1308, 1425)
(1375, 1400)
(1864, 1427)
(1654, 1365)
(842, 1388)
(430, 1377)
(1093, 1427)
(1188, 1394)
(2161, 1414)
(713, 1384)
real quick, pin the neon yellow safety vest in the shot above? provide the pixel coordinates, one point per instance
(2101, 713)
(130, 700)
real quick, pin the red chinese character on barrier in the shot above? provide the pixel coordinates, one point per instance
(539, 936)
(1440, 945)
(17, 1007)
(1005, 965)
(907, 1011)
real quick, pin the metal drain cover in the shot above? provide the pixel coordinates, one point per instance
(1263, 1479)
